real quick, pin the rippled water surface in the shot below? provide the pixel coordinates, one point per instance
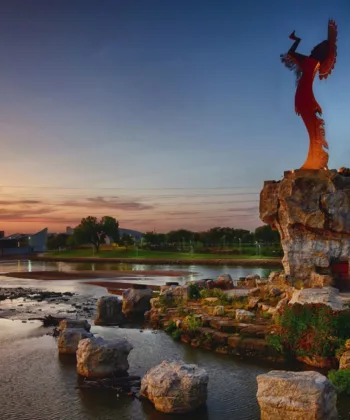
(37, 384)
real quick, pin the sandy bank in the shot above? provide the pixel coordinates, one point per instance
(77, 275)
(113, 286)
(160, 261)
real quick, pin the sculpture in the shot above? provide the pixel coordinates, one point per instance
(322, 60)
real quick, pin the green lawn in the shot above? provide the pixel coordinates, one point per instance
(141, 253)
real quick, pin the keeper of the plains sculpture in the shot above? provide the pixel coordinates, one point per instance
(322, 60)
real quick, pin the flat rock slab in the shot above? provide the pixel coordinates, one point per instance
(327, 296)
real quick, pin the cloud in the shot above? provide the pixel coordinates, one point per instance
(114, 203)
(18, 202)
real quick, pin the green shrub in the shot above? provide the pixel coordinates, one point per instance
(170, 327)
(275, 341)
(192, 323)
(313, 330)
(193, 291)
(224, 299)
(341, 380)
(177, 334)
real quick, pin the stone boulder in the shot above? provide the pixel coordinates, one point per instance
(176, 293)
(327, 296)
(175, 387)
(136, 301)
(99, 358)
(275, 292)
(284, 395)
(311, 210)
(74, 323)
(344, 362)
(282, 305)
(224, 282)
(219, 310)
(251, 280)
(320, 280)
(69, 338)
(109, 311)
(244, 316)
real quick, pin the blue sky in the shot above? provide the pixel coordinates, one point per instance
(156, 111)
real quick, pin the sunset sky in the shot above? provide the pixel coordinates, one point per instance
(163, 114)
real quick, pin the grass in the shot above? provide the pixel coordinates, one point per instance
(143, 253)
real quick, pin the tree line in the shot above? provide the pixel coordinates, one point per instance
(96, 232)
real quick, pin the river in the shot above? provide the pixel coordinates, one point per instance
(37, 384)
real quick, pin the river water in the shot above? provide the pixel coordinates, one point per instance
(37, 384)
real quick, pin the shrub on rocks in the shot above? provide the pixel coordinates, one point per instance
(313, 330)
(341, 380)
(175, 387)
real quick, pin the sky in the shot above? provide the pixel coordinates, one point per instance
(162, 114)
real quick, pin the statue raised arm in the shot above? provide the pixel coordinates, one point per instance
(322, 60)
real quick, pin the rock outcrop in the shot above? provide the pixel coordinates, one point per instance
(109, 311)
(99, 358)
(69, 338)
(311, 210)
(74, 323)
(286, 395)
(175, 387)
(326, 296)
(136, 301)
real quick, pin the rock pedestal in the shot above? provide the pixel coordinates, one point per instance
(69, 339)
(99, 358)
(136, 301)
(286, 395)
(311, 210)
(175, 387)
(109, 311)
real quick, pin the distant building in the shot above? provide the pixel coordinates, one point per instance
(23, 243)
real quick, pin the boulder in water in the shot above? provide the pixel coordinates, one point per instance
(136, 301)
(69, 339)
(74, 323)
(109, 311)
(175, 387)
(99, 358)
(295, 396)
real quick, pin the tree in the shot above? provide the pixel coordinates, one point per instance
(57, 241)
(127, 240)
(93, 231)
(267, 234)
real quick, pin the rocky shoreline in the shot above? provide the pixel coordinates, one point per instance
(29, 303)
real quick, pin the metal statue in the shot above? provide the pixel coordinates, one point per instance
(322, 60)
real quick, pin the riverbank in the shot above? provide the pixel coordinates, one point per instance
(265, 262)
